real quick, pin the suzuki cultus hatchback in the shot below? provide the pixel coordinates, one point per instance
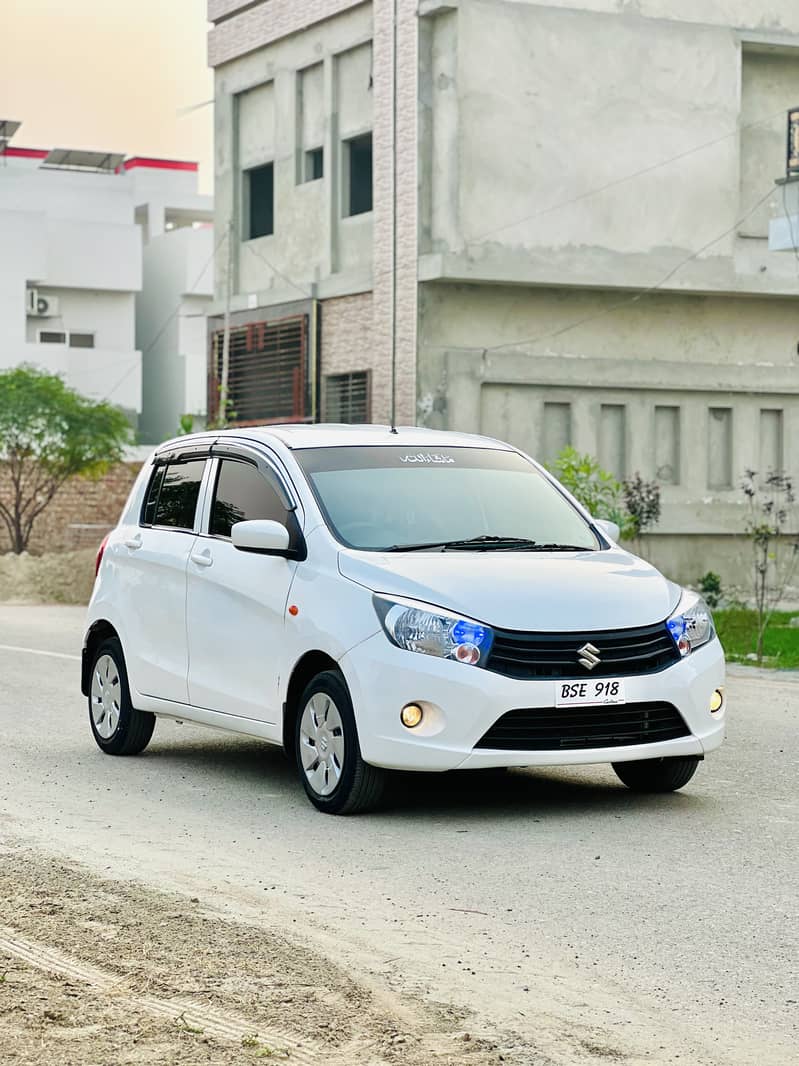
(375, 600)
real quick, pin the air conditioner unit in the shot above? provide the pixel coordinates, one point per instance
(40, 306)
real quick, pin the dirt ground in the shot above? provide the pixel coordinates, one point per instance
(58, 577)
(103, 973)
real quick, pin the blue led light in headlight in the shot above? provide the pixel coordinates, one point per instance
(676, 627)
(469, 633)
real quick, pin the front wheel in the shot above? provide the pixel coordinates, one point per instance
(118, 727)
(657, 775)
(335, 777)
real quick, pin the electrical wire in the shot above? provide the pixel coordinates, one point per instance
(625, 178)
(621, 303)
(308, 294)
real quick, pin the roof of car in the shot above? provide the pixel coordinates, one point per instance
(332, 435)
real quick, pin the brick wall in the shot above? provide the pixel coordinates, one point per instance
(81, 513)
(347, 343)
(236, 34)
(406, 198)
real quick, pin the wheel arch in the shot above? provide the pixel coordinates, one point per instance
(305, 669)
(98, 632)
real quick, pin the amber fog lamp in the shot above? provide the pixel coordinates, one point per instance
(411, 715)
(716, 701)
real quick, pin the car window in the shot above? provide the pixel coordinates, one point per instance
(173, 495)
(243, 493)
(148, 513)
(378, 497)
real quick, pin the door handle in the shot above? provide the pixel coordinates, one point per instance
(134, 543)
(202, 558)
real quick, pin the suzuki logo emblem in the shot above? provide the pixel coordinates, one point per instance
(588, 656)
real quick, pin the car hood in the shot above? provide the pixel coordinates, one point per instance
(533, 591)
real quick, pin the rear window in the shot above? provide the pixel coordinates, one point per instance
(173, 494)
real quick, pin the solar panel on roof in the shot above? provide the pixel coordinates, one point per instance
(79, 159)
(8, 127)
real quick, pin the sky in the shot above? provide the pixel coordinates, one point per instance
(110, 75)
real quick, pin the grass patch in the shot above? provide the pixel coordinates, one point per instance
(737, 629)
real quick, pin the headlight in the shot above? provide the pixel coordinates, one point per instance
(432, 631)
(691, 625)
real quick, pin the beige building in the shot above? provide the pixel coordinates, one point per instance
(583, 199)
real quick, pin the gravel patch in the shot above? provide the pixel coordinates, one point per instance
(58, 577)
(143, 951)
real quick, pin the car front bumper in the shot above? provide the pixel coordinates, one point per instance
(462, 702)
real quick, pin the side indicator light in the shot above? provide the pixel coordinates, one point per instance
(294, 609)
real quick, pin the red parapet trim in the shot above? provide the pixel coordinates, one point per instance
(159, 164)
(24, 153)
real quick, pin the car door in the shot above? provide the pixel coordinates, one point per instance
(236, 600)
(155, 555)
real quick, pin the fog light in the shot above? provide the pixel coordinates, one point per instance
(716, 700)
(411, 715)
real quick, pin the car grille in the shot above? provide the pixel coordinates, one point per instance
(622, 653)
(570, 728)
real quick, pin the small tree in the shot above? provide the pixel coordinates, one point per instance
(770, 499)
(48, 434)
(596, 489)
(642, 500)
(710, 587)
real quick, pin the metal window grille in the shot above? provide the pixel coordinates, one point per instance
(268, 372)
(347, 397)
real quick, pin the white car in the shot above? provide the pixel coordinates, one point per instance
(373, 600)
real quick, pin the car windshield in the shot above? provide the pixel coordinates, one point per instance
(384, 498)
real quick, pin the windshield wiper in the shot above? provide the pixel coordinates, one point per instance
(557, 548)
(486, 542)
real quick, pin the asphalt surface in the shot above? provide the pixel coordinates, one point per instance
(553, 904)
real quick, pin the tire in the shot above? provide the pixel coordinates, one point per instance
(333, 773)
(117, 726)
(657, 775)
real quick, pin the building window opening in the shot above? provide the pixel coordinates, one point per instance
(81, 340)
(259, 200)
(50, 336)
(347, 397)
(314, 164)
(358, 184)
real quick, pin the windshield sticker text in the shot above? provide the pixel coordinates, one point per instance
(426, 457)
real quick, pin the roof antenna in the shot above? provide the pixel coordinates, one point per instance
(394, 234)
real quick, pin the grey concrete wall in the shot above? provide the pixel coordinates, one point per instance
(306, 247)
(684, 389)
(530, 108)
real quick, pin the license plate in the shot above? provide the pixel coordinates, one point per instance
(582, 693)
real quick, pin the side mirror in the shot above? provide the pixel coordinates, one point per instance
(610, 529)
(261, 535)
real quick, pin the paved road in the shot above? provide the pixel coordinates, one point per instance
(555, 904)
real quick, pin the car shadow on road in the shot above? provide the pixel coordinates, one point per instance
(548, 791)
(244, 764)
